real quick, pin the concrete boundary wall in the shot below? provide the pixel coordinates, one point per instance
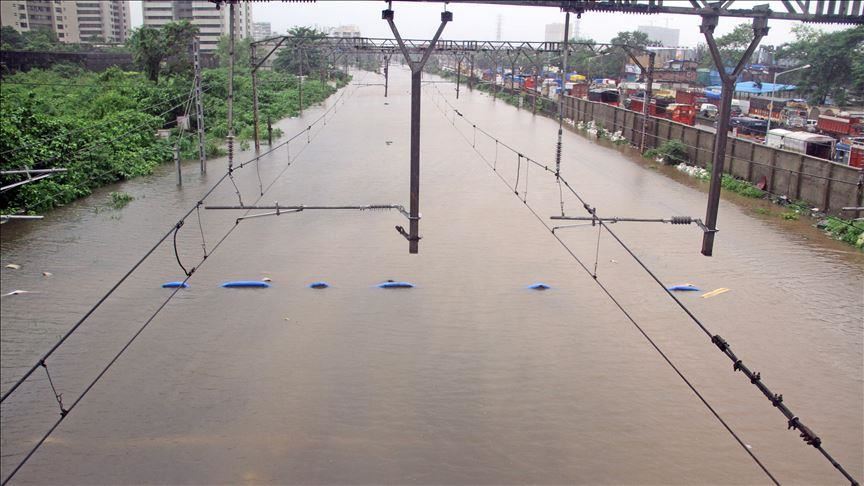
(822, 183)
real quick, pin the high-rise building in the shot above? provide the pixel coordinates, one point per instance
(212, 22)
(107, 20)
(71, 20)
(261, 30)
(554, 33)
(664, 35)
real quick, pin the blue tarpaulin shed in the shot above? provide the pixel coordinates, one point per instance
(751, 87)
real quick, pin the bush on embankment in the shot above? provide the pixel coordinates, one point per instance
(102, 126)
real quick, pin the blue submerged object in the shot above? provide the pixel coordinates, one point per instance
(390, 284)
(245, 283)
(319, 285)
(539, 286)
(683, 288)
(174, 285)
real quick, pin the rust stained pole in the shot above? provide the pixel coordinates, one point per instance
(413, 234)
(760, 29)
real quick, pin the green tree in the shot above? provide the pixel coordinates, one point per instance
(148, 50)
(242, 52)
(11, 39)
(837, 60)
(301, 51)
(611, 64)
(41, 39)
(178, 37)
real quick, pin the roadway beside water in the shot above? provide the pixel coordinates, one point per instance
(468, 378)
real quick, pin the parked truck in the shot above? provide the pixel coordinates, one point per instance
(677, 112)
(783, 111)
(840, 126)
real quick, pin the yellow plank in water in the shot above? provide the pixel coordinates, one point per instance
(715, 293)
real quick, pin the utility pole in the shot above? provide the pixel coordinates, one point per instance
(199, 106)
(254, 99)
(413, 234)
(760, 30)
(177, 164)
(561, 96)
(387, 56)
(300, 79)
(231, 36)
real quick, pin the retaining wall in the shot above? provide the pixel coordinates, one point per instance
(822, 183)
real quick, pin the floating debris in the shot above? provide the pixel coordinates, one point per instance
(174, 285)
(683, 288)
(245, 283)
(390, 284)
(715, 293)
(47, 274)
(266, 279)
(539, 286)
(18, 292)
(14, 266)
(319, 285)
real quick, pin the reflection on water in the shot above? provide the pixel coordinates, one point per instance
(467, 378)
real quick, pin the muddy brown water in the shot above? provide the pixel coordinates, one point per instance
(469, 378)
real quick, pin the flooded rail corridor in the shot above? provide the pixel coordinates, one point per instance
(468, 378)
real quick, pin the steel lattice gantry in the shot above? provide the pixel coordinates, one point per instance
(828, 11)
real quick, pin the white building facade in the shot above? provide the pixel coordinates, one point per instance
(212, 23)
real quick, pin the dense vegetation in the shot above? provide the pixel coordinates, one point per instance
(102, 126)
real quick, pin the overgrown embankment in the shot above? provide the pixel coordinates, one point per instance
(102, 126)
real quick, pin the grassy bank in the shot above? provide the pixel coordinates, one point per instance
(101, 126)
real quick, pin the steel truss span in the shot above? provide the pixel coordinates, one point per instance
(827, 11)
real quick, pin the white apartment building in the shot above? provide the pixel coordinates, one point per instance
(212, 23)
(261, 30)
(72, 20)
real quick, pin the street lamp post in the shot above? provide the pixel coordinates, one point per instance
(771, 105)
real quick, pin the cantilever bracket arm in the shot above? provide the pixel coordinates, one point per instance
(262, 61)
(416, 65)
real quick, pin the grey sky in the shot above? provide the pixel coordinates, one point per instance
(479, 21)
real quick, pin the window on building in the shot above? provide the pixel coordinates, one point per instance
(58, 9)
(23, 25)
(22, 7)
(61, 35)
(23, 16)
(59, 26)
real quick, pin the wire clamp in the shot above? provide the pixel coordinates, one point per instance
(755, 377)
(777, 399)
(737, 365)
(407, 236)
(720, 342)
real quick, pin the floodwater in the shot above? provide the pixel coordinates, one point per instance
(469, 378)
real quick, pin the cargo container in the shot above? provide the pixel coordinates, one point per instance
(608, 96)
(821, 146)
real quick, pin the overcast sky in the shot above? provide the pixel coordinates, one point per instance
(479, 21)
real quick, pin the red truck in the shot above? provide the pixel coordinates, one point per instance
(677, 112)
(690, 97)
(840, 126)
